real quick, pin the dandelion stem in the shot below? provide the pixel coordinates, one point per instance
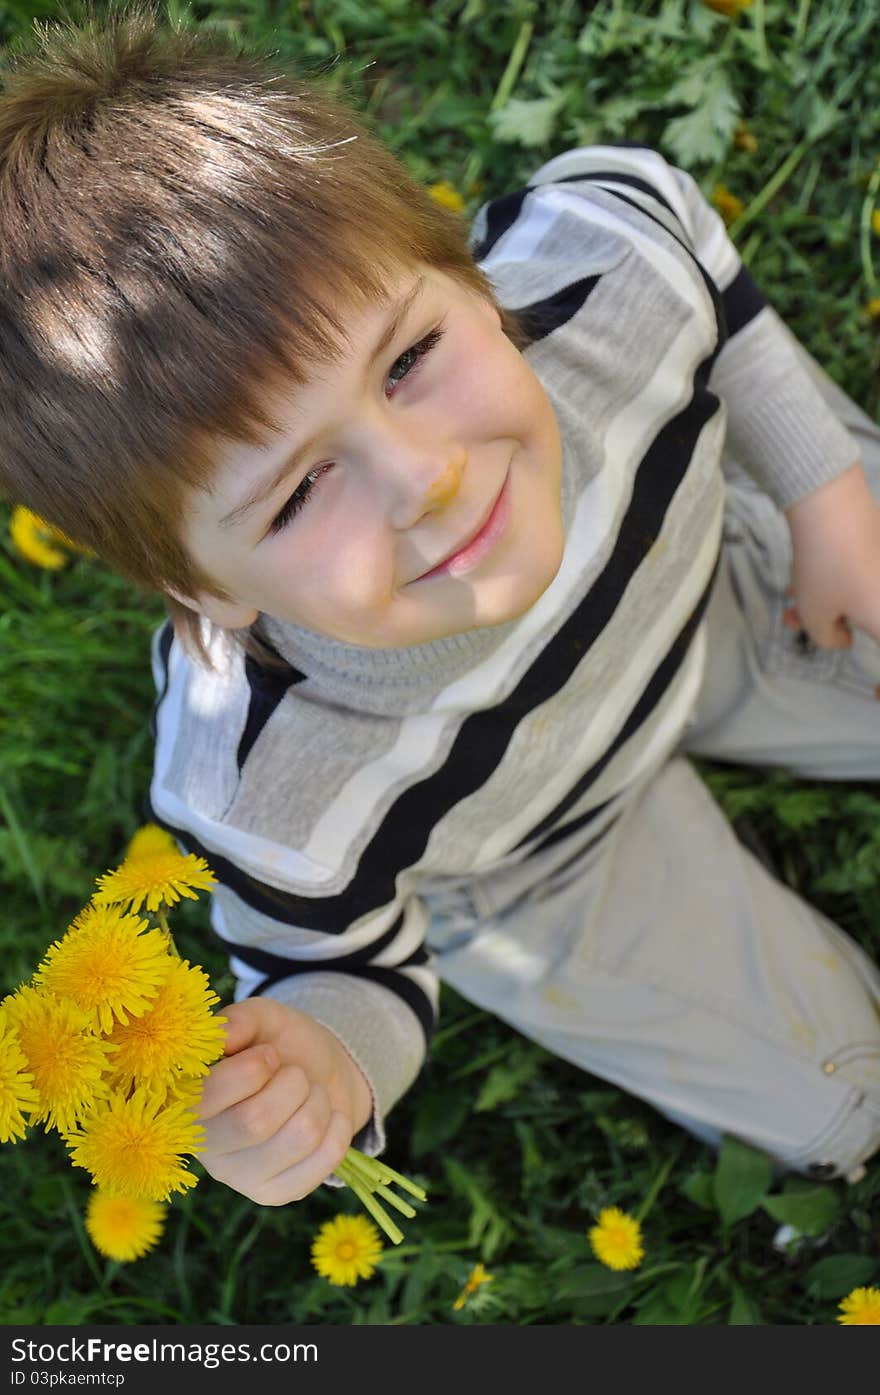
(774, 183)
(514, 64)
(656, 1187)
(389, 1175)
(379, 1214)
(865, 230)
(162, 916)
(393, 1200)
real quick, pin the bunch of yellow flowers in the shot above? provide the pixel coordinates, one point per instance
(109, 1044)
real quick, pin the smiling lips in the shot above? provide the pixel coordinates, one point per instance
(471, 553)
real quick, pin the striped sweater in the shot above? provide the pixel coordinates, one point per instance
(336, 799)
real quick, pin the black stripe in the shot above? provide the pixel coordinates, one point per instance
(543, 316)
(163, 644)
(267, 688)
(567, 829)
(501, 214)
(743, 301)
(268, 963)
(633, 181)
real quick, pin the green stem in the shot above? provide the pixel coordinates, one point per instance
(656, 1187)
(380, 1216)
(774, 183)
(761, 35)
(162, 916)
(800, 27)
(514, 64)
(865, 230)
(397, 1202)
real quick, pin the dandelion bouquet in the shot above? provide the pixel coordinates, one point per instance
(109, 1044)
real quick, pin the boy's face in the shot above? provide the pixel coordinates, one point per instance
(402, 458)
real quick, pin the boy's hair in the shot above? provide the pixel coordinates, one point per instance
(178, 219)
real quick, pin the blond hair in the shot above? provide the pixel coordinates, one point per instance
(178, 217)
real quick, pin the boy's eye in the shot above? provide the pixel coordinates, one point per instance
(403, 367)
(298, 499)
(410, 359)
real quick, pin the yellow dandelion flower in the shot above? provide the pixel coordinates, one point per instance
(872, 308)
(186, 1092)
(148, 840)
(728, 205)
(861, 1308)
(136, 1146)
(729, 8)
(177, 1035)
(110, 964)
(123, 1227)
(160, 879)
(66, 1060)
(477, 1276)
(18, 1095)
(346, 1249)
(446, 195)
(875, 221)
(36, 540)
(617, 1239)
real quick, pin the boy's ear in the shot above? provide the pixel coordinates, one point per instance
(229, 615)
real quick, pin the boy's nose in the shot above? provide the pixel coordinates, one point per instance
(444, 488)
(429, 482)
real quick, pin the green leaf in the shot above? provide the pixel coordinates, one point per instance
(700, 1189)
(528, 122)
(743, 1311)
(742, 1178)
(811, 1210)
(704, 135)
(588, 1280)
(838, 1275)
(438, 1118)
(505, 1081)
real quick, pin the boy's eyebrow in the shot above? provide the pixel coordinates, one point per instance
(266, 488)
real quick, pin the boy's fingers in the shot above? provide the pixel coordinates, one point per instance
(296, 1182)
(245, 1024)
(258, 1118)
(237, 1077)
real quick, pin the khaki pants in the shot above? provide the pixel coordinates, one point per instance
(668, 960)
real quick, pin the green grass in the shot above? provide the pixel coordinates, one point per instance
(518, 1150)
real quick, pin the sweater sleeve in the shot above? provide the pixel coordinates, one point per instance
(779, 428)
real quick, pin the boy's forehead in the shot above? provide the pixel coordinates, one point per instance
(370, 329)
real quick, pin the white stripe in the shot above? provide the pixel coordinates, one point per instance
(320, 944)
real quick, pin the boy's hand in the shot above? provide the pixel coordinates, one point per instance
(282, 1106)
(835, 580)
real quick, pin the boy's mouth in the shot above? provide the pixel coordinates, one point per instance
(471, 552)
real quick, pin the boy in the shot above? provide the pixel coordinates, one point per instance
(463, 550)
